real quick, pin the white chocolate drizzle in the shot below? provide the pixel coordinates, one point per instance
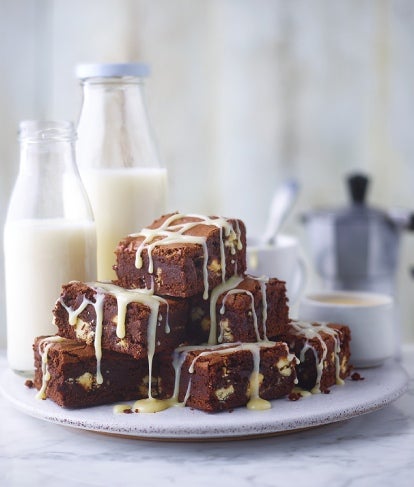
(169, 233)
(301, 392)
(252, 307)
(255, 401)
(311, 331)
(230, 287)
(151, 405)
(121, 408)
(263, 286)
(98, 305)
(44, 346)
(215, 293)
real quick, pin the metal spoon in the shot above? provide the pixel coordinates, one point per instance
(282, 203)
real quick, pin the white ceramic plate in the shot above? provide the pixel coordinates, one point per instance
(381, 386)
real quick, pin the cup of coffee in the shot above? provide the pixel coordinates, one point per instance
(370, 316)
(282, 260)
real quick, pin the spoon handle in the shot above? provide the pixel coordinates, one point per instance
(282, 202)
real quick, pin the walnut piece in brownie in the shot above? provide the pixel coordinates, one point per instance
(182, 255)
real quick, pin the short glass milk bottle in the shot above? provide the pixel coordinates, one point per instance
(49, 235)
(117, 156)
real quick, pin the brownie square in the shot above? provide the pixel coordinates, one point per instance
(127, 321)
(66, 373)
(323, 350)
(244, 309)
(223, 377)
(182, 255)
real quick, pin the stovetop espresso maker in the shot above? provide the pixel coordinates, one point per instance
(357, 247)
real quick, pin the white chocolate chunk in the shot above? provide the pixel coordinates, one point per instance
(224, 392)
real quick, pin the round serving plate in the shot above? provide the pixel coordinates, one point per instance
(381, 386)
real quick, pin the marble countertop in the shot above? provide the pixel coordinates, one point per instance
(373, 449)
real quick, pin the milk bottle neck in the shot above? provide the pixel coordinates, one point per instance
(48, 184)
(47, 148)
(114, 129)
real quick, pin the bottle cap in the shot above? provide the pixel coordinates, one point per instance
(84, 71)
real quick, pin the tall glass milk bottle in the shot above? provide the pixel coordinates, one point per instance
(117, 156)
(49, 235)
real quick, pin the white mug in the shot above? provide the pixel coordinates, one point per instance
(370, 316)
(282, 260)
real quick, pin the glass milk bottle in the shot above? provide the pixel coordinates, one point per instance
(49, 235)
(117, 156)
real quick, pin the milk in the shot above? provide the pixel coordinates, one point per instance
(124, 201)
(40, 256)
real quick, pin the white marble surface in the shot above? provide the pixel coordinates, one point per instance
(374, 449)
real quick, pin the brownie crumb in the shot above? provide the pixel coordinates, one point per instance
(29, 383)
(294, 396)
(357, 376)
(128, 411)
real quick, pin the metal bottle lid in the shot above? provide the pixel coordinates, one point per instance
(114, 70)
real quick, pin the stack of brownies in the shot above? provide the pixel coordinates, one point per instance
(184, 324)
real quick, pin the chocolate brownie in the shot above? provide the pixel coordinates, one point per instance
(182, 255)
(133, 322)
(242, 309)
(66, 372)
(223, 377)
(323, 351)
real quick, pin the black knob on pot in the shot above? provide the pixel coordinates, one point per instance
(358, 185)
